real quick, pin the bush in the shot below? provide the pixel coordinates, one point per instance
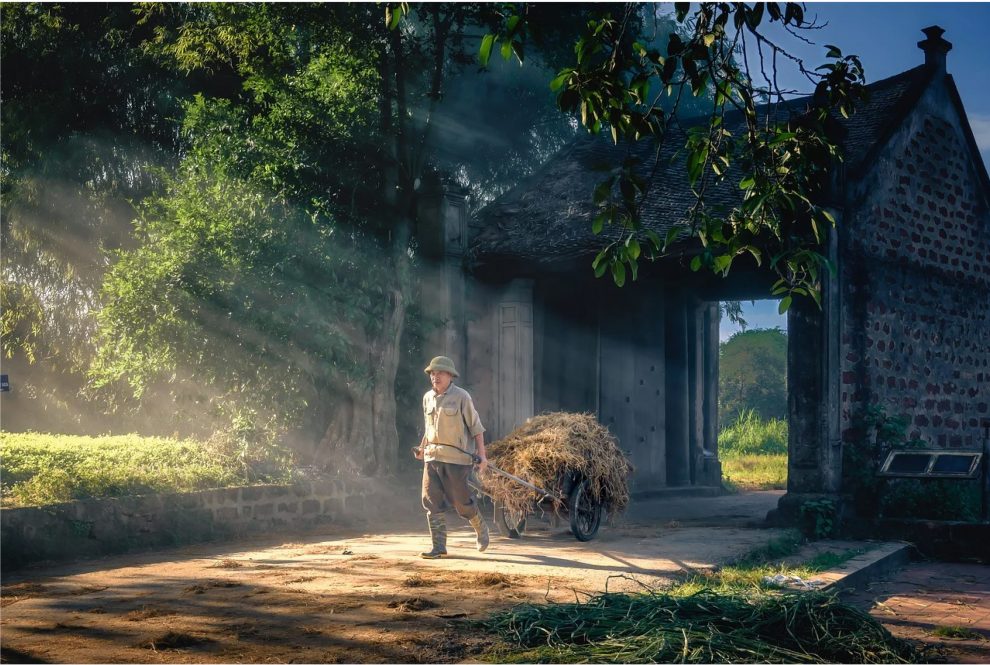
(751, 435)
(38, 469)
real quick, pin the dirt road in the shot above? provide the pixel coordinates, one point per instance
(349, 596)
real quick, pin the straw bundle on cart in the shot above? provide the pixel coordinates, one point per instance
(548, 448)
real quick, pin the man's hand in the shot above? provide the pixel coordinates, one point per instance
(482, 465)
(417, 452)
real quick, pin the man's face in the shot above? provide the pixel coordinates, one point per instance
(440, 380)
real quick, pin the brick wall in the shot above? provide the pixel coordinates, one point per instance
(99, 527)
(916, 286)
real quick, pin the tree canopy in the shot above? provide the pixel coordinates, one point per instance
(753, 375)
(277, 160)
(211, 211)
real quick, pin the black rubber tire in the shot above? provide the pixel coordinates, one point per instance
(584, 511)
(510, 524)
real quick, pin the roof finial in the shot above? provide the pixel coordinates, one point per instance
(935, 47)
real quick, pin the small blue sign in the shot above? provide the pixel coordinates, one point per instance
(4, 384)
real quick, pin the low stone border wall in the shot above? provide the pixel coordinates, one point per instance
(98, 527)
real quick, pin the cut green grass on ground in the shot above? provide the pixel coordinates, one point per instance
(727, 616)
(704, 627)
(40, 469)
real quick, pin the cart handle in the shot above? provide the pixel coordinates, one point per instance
(508, 475)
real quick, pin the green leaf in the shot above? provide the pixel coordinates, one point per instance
(672, 234)
(561, 79)
(619, 273)
(785, 304)
(634, 248)
(506, 49)
(600, 259)
(696, 264)
(601, 268)
(598, 223)
(722, 263)
(781, 137)
(393, 15)
(747, 182)
(485, 52)
(653, 238)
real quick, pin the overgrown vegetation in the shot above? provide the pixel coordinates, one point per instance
(752, 435)
(819, 518)
(40, 469)
(753, 452)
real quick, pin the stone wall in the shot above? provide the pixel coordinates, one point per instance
(100, 527)
(916, 286)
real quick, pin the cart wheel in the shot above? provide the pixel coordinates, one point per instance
(510, 523)
(585, 511)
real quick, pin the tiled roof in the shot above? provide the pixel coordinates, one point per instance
(547, 217)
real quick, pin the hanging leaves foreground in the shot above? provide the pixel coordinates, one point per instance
(775, 149)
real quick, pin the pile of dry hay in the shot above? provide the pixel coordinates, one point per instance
(547, 448)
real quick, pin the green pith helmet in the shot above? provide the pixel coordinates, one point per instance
(441, 364)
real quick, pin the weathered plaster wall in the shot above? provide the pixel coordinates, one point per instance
(915, 326)
(100, 527)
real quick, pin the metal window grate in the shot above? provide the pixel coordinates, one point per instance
(931, 464)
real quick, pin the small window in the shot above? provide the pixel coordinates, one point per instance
(931, 464)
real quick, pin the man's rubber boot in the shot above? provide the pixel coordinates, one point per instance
(438, 534)
(481, 530)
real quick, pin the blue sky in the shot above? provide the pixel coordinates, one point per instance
(885, 37)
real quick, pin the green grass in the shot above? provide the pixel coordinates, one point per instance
(957, 633)
(751, 435)
(755, 472)
(753, 453)
(826, 560)
(748, 573)
(39, 469)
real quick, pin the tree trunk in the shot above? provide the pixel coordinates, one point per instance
(362, 433)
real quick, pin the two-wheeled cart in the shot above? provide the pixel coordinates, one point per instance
(572, 500)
